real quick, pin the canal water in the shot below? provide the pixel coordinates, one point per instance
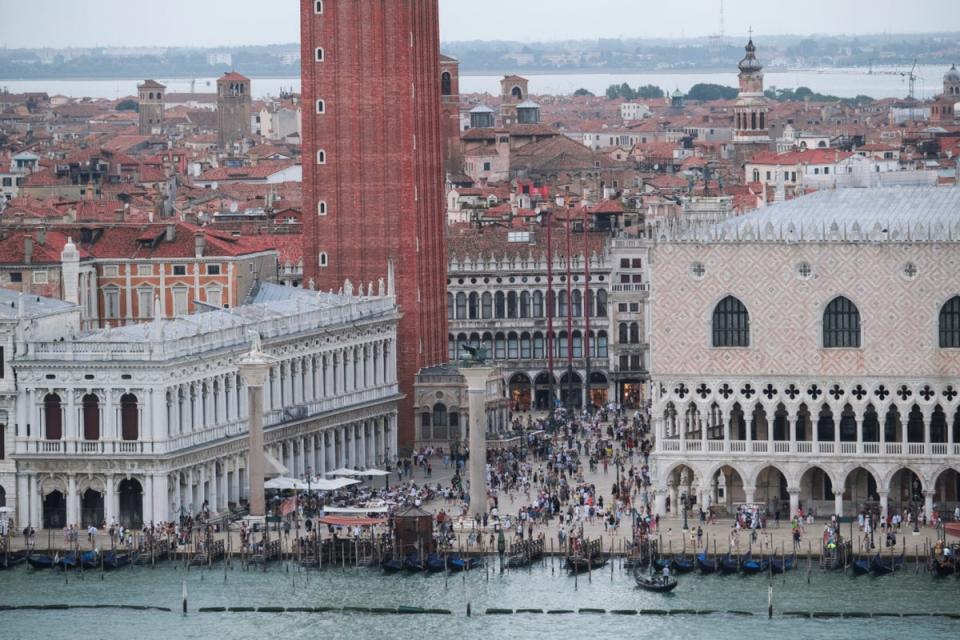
(542, 587)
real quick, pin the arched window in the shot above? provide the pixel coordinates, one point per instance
(52, 417)
(461, 305)
(577, 304)
(602, 303)
(500, 305)
(439, 415)
(512, 304)
(513, 346)
(601, 344)
(950, 324)
(562, 345)
(634, 333)
(577, 345)
(731, 324)
(538, 352)
(473, 306)
(486, 306)
(450, 315)
(451, 348)
(841, 325)
(91, 417)
(525, 345)
(623, 336)
(129, 417)
(446, 85)
(537, 304)
(562, 307)
(499, 347)
(524, 304)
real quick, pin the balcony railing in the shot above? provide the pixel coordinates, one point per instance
(806, 447)
(271, 420)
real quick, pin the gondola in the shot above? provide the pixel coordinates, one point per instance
(882, 567)
(682, 564)
(655, 583)
(581, 564)
(860, 566)
(705, 564)
(753, 567)
(69, 561)
(115, 560)
(12, 559)
(943, 566)
(729, 565)
(40, 561)
(90, 560)
(147, 557)
(783, 564)
(456, 563)
(412, 563)
(518, 560)
(392, 565)
(436, 563)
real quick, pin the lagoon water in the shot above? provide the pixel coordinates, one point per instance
(845, 83)
(541, 587)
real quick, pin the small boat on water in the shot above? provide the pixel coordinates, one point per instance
(9, 560)
(582, 564)
(655, 583)
(40, 561)
(115, 560)
(150, 556)
(705, 564)
(436, 563)
(69, 561)
(392, 565)
(729, 565)
(881, 566)
(457, 563)
(860, 566)
(753, 567)
(782, 565)
(683, 564)
(413, 563)
(90, 560)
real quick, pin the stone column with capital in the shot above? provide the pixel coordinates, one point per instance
(794, 500)
(476, 378)
(884, 504)
(253, 368)
(838, 503)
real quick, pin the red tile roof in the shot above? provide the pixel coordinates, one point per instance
(811, 156)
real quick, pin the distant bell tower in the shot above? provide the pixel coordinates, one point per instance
(513, 91)
(450, 106)
(751, 109)
(233, 109)
(151, 103)
(951, 83)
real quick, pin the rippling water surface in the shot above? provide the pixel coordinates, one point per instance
(543, 587)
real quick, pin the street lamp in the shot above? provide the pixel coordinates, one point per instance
(309, 472)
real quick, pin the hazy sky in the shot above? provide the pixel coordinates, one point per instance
(59, 23)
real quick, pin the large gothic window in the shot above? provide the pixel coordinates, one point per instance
(731, 324)
(950, 324)
(446, 86)
(841, 324)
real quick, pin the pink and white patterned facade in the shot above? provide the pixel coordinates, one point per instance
(785, 420)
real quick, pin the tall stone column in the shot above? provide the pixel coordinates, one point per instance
(884, 504)
(73, 501)
(838, 503)
(476, 391)
(253, 368)
(109, 499)
(794, 500)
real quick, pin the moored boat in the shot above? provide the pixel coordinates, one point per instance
(115, 560)
(881, 566)
(752, 567)
(860, 566)
(40, 561)
(729, 564)
(9, 560)
(706, 564)
(782, 565)
(392, 565)
(69, 561)
(90, 560)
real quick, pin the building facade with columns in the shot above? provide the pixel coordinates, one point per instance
(809, 354)
(147, 422)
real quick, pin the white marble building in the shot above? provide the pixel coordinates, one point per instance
(146, 422)
(809, 353)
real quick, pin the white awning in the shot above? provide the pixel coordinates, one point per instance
(274, 467)
(356, 510)
(343, 471)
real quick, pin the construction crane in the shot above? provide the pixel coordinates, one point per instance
(911, 75)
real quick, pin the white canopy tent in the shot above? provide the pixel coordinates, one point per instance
(322, 484)
(374, 473)
(343, 471)
(282, 483)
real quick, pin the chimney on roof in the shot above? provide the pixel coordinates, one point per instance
(171, 233)
(41, 235)
(199, 243)
(118, 215)
(27, 249)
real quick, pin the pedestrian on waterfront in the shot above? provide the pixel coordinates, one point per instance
(699, 535)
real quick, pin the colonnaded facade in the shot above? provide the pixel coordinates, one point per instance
(148, 422)
(809, 354)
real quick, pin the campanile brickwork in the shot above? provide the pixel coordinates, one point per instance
(372, 165)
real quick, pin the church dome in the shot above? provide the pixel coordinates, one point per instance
(750, 62)
(952, 75)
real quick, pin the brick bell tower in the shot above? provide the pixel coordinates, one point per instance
(373, 165)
